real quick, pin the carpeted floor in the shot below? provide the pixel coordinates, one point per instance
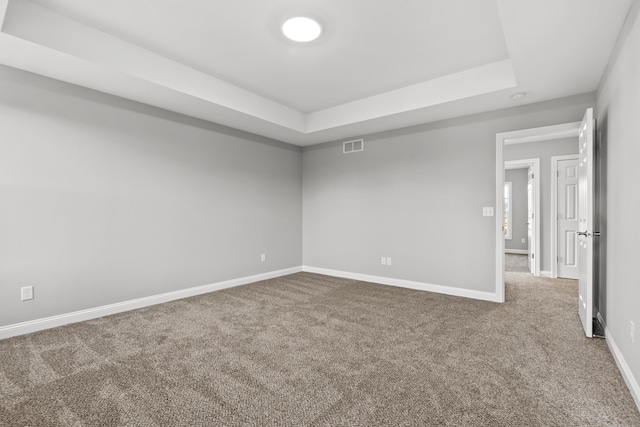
(311, 350)
(516, 263)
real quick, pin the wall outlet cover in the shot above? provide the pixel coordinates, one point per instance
(487, 211)
(26, 293)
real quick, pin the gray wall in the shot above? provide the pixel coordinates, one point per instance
(619, 147)
(519, 207)
(543, 150)
(416, 195)
(104, 200)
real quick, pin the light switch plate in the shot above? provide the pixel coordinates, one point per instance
(487, 211)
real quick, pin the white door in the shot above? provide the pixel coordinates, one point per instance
(585, 222)
(568, 218)
(530, 214)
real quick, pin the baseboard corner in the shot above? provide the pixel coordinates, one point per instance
(409, 284)
(623, 367)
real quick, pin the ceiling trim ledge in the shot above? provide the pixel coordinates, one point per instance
(35, 30)
(453, 87)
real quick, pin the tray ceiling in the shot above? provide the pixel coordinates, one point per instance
(377, 66)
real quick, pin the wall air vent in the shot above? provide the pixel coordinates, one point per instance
(353, 146)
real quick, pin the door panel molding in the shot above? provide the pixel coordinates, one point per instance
(554, 210)
(586, 222)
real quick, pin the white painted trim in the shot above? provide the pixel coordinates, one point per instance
(545, 273)
(537, 225)
(499, 219)
(409, 284)
(545, 133)
(629, 379)
(516, 251)
(554, 210)
(106, 310)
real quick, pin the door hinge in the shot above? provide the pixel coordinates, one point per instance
(533, 256)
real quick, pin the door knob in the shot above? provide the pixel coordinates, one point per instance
(588, 233)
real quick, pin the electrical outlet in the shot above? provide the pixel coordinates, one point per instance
(632, 332)
(388, 260)
(524, 240)
(383, 261)
(487, 211)
(26, 293)
(263, 257)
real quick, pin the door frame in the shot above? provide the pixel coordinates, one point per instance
(535, 228)
(554, 209)
(545, 133)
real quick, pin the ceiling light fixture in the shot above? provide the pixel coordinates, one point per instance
(301, 29)
(518, 96)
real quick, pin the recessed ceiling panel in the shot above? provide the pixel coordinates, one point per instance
(367, 47)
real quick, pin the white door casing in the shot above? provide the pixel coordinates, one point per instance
(530, 220)
(567, 218)
(586, 221)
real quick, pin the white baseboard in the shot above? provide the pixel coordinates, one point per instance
(440, 289)
(516, 251)
(546, 274)
(106, 310)
(631, 381)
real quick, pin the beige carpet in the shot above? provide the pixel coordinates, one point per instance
(311, 350)
(516, 263)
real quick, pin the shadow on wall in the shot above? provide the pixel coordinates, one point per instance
(600, 267)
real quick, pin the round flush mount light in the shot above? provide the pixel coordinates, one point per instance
(518, 96)
(301, 29)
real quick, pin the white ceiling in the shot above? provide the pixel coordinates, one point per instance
(378, 65)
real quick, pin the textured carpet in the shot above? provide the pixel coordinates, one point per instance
(516, 263)
(311, 350)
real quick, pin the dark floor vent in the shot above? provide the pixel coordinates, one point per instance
(598, 330)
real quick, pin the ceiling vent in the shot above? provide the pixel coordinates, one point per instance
(353, 146)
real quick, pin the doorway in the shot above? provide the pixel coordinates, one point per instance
(585, 208)
(526, 224)
(547, 133)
